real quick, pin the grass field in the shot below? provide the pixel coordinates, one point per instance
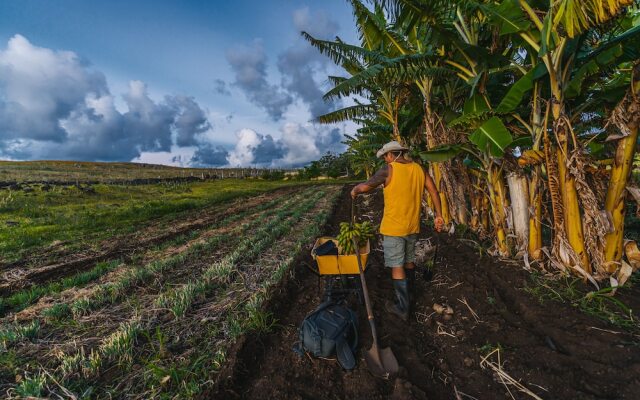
(37, 218)
(98, 172)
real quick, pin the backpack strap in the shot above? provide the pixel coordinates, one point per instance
(344, 354)
(345, 349)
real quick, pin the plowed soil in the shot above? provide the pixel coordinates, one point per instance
(553, 349)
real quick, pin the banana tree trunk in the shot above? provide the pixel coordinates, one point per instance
(476, 205)
(436, 170)
(497, 200)
(627, 117)
(535, 219)
(442, 192)
(459, 173)
(571, 207)
(519, 196)
(485, 211)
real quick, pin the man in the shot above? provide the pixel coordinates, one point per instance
(404, 183)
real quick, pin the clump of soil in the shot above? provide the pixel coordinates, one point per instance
(553, 349)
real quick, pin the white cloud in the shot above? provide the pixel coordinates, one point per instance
(298, 145)
(40, 86)
(177, 156)
(54, 105)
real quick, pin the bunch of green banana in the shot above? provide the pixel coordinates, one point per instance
(358, 231)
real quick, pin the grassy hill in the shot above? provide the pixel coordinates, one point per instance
(104, 172)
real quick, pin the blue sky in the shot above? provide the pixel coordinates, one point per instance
(218, 83)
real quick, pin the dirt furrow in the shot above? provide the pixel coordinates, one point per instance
(553, 349)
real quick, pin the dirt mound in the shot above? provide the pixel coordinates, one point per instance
(553, 350)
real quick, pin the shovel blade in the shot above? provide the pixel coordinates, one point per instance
(382, 363)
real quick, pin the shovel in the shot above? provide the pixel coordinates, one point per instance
(382, 363)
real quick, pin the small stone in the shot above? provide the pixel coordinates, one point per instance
(460, 333)
(468, 362)
(447, 317)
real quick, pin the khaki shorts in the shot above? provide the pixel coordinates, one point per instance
(399, 250)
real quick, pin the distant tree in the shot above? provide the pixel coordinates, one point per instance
(331, 164)
(272, 175)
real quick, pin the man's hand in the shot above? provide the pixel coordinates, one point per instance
(439, 223)
(354, 193)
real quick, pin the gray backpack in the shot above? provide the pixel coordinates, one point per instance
(332, 329)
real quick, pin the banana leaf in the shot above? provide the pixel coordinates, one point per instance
(441, 153)
(492, 136)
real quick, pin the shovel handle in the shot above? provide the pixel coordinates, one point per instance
(365, 292)
(353, 213)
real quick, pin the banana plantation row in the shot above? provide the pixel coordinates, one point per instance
(527, 111)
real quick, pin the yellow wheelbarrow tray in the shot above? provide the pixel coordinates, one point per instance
(346, 264)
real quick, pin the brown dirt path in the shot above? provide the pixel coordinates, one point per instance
(553, 349)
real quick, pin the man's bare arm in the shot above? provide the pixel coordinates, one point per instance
(376, 180)
(435, 196)
(361, 188)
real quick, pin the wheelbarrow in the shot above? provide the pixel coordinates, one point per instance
(340, 272)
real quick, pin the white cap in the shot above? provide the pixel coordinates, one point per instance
(391, 146)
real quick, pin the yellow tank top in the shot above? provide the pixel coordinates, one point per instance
(402, 200)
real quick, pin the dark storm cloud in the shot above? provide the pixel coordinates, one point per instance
(190, 120)
(267, 151)
(330, 141)
(299, 63)
(220, 87)
(210, 156)
(53, 105)
(148, 122)
(297, 68)
(250, 68)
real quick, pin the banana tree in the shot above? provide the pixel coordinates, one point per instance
(362, 146)
(556, 38)
(491, 140)
(386, 79)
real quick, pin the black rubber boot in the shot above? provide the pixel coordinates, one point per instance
(401, 306)
(411, 282)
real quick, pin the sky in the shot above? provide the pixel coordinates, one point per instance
(180, 82)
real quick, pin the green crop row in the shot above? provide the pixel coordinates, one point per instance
(188, 380)
(111, 292)
(179, 299)
(119, 345)
(22, 299)
(36, 219)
